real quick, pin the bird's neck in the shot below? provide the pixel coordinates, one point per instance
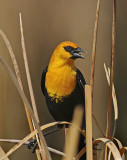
(57, 62)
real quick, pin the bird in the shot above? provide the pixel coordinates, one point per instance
(62, 84)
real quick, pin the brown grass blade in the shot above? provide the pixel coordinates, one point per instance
(107, 71)
(114, 99)
(98, 125)
(14, 61)
(73, 137)
(29, 82)
(119, 143)
(26, 143)
(18, 75)
(80, 153)
(93, 64)
(15, 64)
(112, 68)
(94, 48)
(109, 112)
(109, 155)
(27, 71)
(111, 146)
(34, 133)
(57, 152)
(120, 147)
(24, 140)
(93, 60)
(88, 112)
(42, 140)
(2, 153)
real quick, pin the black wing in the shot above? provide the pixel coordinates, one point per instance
(81, 81)
(43, 80)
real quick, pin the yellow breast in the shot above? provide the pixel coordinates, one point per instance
(60, 82)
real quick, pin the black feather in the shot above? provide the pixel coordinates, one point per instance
(63, 110)
(43, 80)
(81, 81)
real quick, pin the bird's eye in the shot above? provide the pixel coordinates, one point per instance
(69, 48)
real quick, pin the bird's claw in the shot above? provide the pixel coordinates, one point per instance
(33, 144)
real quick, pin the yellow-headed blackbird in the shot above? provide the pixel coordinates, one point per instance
(63, 84)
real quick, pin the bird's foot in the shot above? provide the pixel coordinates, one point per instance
(33, 144)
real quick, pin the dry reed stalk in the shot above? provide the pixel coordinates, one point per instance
(24, 140)
(119, 146)
(111, 77)
(29, 82)
(93, 66)
(13, 149)
(107, 71)
(111, 146)
(13, 141)
(118, 143)
(27, 70)
(18, 75)
(94, 49)
(113, 149)
(112, 68)
(45, 151)
(27, 142)
(73, 135)
(80, 153)
(88, 112)
(2, 153)
(98, 125)
(93, 61)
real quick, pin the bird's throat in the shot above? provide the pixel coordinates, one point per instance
(60, 82)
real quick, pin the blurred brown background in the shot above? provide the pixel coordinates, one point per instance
(46, 24)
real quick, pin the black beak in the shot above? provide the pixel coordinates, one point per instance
(75, 53)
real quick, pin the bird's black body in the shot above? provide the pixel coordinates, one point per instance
(63, 110)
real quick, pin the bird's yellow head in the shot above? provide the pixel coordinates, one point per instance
(61, 75)
(65, 53)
